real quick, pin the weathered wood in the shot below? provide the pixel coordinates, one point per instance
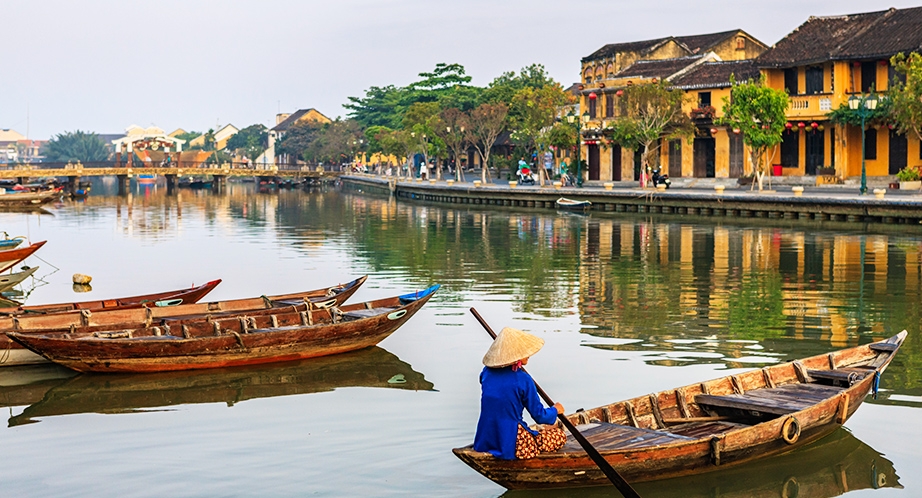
(767, 375)
(819, 410)
(657, 413)
(682, 402)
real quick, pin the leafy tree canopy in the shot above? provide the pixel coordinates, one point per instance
(76, 146)
(652, 112)
(504, 86)
(906, 96)
(298, 138)
(250, 141)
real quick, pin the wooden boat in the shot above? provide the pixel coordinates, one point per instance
(92, 320)
(573, 205)
(133, 393)
(158, 299)
(214, 342)
(7, 282)
(705, 427)
(29, 198)
(10, 257)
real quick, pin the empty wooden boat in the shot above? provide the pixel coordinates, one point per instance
(87, 320)
(573, 205)
(10, 257)
(159, 299)
(214, 342)
(29, 198)
(708, 426)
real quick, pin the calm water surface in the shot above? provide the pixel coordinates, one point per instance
(627, 304)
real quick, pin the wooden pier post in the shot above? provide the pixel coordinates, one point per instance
(123, 184)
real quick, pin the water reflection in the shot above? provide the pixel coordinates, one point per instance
(89, 393)
(833, 466)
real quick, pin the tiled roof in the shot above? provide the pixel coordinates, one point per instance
(656, 68)
(294, 118)
(614, 48)
(702, 43)
(869, 35)
(716, 74)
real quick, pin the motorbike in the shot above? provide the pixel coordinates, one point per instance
(526, 177)
(660, 179)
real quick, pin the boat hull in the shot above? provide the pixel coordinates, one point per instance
(658, 451)
(229, 347)
(7, 282)
(11, 257)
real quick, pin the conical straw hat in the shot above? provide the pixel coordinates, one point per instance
(510, 346)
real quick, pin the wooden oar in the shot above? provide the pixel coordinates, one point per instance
(626, 490)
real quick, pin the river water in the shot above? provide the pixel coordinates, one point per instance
(628, 304)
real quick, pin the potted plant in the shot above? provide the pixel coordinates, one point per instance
(910, 178)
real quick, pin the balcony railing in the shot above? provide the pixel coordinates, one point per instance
(810, 105)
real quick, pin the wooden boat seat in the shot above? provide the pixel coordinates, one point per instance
(779, 400)
(847, 376)
(604, 436)
(696, 430)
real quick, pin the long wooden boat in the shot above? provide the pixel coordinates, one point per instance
(29, 198)
(214, 342)
(705, 427)
(133, 393)
(13, 279)
(573, 205)
(11, 243)
(160, 299)
(10, 257)
(86, 320)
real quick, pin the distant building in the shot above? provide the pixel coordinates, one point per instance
(283, 122)
(15, 147)
(221, 136)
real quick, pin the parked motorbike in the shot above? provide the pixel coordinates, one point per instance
(526, 177)
(660, 179)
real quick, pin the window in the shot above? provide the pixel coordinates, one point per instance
(868, 76)
(704, 99)
(870, 144)
(592, 108)
(740, 43)
(892, 74)
(609, 105)
(814, 80)
(790, 80)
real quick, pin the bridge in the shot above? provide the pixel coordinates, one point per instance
(172, 171)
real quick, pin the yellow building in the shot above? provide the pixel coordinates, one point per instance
(701, 65)
(821, 65)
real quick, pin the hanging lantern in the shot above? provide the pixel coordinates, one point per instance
(736, 131)
(713, 131)
(814, 125)
(655, 80)
(765, 126)
(592, 96)
(821, 128)
(629, 82)
(601, 85)
(786, 125)
(619, 93)
(801, 125)
(579, 87)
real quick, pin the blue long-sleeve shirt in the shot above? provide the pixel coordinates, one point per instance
(504, 394)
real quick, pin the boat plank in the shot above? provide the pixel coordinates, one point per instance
(751, 403)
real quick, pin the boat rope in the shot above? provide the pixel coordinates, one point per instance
(876, 385)
(6, 354)
(43, 261)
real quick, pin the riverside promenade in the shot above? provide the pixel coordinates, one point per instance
(784, 200)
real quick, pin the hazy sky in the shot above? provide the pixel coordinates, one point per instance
(103, 65)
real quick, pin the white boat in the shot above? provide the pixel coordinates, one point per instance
(7, 282)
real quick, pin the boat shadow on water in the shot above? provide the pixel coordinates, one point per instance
(130, 393)
(832, 466)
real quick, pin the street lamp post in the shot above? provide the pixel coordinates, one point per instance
(864, 105)
(571, 118)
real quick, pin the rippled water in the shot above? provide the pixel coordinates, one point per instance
(628, 304)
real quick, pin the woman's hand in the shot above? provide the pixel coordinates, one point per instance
(559, 408)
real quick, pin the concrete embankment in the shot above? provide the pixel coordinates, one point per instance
(811, 204)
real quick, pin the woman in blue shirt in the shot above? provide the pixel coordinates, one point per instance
(506, 390)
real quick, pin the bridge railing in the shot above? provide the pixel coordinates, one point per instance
(184, 165)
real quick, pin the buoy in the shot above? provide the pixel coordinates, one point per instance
(82, 279)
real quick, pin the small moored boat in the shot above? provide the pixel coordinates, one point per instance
(214, 342)
(82, 319)
(564, 203)
(708, 426)
(7, 282)
(8, 243)
(10, 257)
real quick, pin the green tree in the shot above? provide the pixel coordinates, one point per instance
(75, 146)
(505, 86)
(906, 97)
(652, 113)
(250, 141)
(487, 122)
(532, 114)
(450, 128)
(759, 113)
(419, 121)
(189, 136)
(298, 138)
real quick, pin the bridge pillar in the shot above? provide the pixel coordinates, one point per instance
(172, 181)
(219, 184)
(124, 184)
(22, 180)
(73, 183)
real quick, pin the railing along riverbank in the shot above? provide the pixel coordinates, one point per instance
(819, 204)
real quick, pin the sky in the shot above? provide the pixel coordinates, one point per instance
(101, 66)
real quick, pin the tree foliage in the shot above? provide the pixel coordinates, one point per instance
(75, 146)
(487, 122)
(906, 96)
(298, 138)
(651, 113)
(250, 141)
(759, 112)
(532, 115)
